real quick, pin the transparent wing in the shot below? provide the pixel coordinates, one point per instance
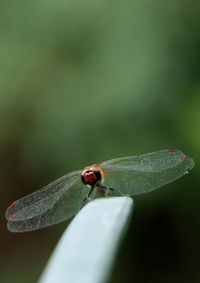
(52, 204)
(140, 174)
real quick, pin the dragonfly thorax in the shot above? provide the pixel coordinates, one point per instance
(90, 176)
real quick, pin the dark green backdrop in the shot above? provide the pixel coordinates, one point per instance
(86, 81)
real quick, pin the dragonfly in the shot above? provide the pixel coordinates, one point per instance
(126, 176)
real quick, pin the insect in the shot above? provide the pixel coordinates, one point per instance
(65, 196)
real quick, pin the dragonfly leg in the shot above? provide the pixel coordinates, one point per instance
(111, 189)
(87, 197)
(116, 191)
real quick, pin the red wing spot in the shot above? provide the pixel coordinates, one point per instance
(171, 150)
(12, 216)
(10, 206)
(183, 156)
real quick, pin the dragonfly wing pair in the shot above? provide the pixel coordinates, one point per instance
(62, 198)
(140, 174)
(52, 204)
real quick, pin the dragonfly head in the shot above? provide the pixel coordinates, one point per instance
(91, 175)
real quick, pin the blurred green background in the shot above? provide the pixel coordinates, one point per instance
(86, 81)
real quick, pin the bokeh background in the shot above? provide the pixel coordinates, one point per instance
(86, 81)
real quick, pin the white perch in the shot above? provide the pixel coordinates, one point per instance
(86, 251)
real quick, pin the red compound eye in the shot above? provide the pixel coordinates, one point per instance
(90, 177)
(171, 150)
